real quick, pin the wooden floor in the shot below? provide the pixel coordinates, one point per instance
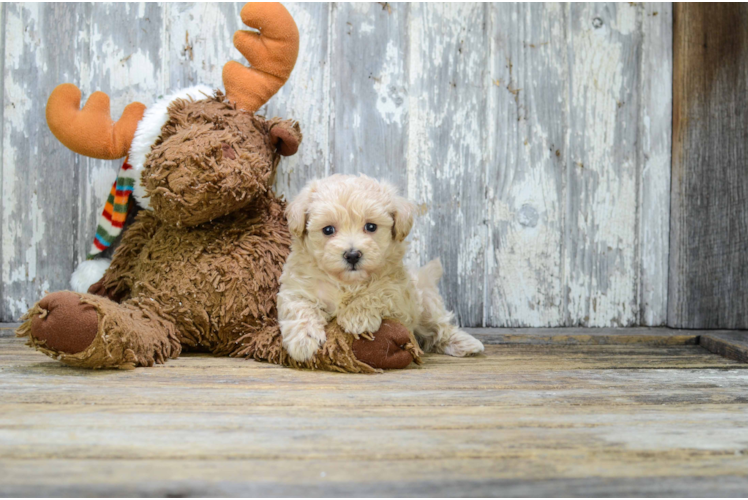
(627, 418)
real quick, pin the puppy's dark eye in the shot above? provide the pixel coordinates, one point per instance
(370, 228)
(328, 230)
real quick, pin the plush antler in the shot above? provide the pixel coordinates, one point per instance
(90, 131)
(272, 53)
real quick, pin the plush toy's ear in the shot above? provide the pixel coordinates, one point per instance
(297, 210)
(402, 214)
(286, 136)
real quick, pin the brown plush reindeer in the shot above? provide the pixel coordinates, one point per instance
(198, 269)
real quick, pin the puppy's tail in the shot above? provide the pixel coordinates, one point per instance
(430, 274)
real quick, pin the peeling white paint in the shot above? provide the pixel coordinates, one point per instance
(390, 103)
(625, 20)
(11, 226)
(524, 285)
(602, 290)
(20, 35)
(35, 237)
(470, 253)
(656, 145)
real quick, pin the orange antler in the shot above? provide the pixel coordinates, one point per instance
(90, 131)
(272, 54)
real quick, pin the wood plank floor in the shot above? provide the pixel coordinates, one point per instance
(523, 419)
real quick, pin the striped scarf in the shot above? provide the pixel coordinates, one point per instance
(115, 211)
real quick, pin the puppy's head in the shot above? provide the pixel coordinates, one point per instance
(352, 226)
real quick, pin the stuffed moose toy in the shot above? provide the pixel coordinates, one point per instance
(198, 267)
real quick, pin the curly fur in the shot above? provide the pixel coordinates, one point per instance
(211, 160)
(129, 335)
(319, 284)
(149, 130)
(214, 282)
(201, 268)
(210, 252)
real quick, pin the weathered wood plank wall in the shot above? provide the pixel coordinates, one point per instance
(709, 228)
(535, 139)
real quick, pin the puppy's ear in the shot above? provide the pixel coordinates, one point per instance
(297, 211)
(402, 215)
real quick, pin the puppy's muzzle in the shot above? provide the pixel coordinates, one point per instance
(352, 257)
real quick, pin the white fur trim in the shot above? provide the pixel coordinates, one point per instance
(149, 130)
(87, 273)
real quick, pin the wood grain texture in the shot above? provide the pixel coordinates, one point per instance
(197, 42)
(481, 113)
(732, 344)
(39, 178)
(564, 233)
(446, 141)
(8, 329)
(587, 336)
(709, 214)
(3, 301)
(607, 419)
(602, 167)
(185, 483)
(368, 51)
(526, 145)
(654, 146)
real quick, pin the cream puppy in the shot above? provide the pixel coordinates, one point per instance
(346, 262)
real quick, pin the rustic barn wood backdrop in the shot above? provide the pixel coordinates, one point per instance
(535, 139)
(709, 226)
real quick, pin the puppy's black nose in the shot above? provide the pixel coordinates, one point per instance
(352, 256)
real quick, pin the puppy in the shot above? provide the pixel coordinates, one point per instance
(346, 262)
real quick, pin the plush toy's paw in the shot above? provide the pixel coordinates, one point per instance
(65, 324)
(392, 347)
(302, 339)
(462, 344)
(358, 322)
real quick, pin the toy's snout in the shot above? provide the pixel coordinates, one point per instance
(211, 160)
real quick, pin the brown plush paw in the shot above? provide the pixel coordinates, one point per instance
(65, 324)
(390, 348)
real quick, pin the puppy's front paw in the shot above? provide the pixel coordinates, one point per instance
(302, 340)
(462, 344)
(358, 323)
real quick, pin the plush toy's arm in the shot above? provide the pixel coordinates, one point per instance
(393, 347)
(118, 279)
